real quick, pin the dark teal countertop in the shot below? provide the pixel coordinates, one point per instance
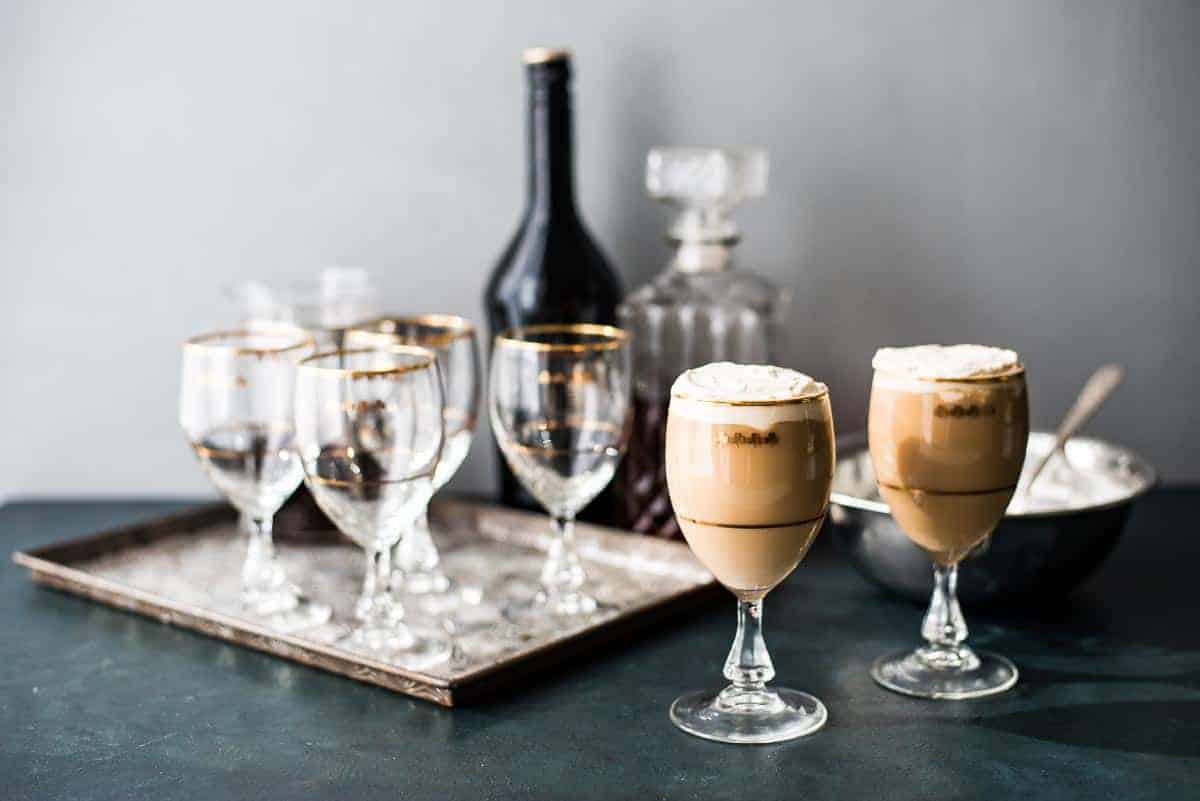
(100, 704)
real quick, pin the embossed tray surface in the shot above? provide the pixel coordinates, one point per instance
(183, 569)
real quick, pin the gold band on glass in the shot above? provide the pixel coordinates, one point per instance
(451, 327)
(367, 482)
(753, 526)
(429, 359)
(823, 394)
(519, 337)
(999, 378)
(996, 491)
(297, 338)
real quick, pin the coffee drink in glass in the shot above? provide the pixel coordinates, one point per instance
(749, 456)
(947, 427)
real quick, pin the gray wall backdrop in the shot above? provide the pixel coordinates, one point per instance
(1023, 172)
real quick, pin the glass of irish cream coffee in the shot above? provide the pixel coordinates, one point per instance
(947, 428)
(750, 458)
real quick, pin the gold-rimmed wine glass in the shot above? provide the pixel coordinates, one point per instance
(560, 403)
(452, 339)
(236, 397)
(369, 433)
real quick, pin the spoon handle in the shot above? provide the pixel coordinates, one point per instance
(1091, 397)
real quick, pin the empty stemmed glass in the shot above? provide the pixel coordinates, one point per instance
(452, 338)
(236, 410)
(559, 408)
(369, 434)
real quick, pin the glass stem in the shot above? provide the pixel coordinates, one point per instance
(563, 572)
(417, 562)
(749, 665)
(944, 626)
(260, 572)
(416, 552)
(375, 603)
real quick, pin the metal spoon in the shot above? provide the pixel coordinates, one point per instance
(1091, 398)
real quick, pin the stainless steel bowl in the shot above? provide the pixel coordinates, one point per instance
(1031, 556)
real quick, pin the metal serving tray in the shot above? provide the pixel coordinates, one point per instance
(183, 569)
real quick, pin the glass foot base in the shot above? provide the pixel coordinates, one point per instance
(957, 674)
(285, 610)
(738, 716)
(441, 598)
(399, 645)
(425, 583)
(543, 608)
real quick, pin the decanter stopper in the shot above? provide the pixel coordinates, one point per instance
(705, 184)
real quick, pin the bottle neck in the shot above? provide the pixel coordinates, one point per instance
(702, 257)
(704, 239)
(551, 182)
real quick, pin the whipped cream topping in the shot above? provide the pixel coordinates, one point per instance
(726, 381)
(946, 361)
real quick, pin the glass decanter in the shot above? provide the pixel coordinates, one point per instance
(699, 310)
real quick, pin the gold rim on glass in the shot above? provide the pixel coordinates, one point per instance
(823, 394)
(206, 341)
(518, 337)
(999, 378)
(455, 327)
(430, 359)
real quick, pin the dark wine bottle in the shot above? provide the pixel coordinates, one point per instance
(552, 271)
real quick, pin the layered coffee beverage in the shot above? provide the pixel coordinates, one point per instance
(947, 429)
(749, 465)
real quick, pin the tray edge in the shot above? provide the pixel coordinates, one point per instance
(468, 688)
